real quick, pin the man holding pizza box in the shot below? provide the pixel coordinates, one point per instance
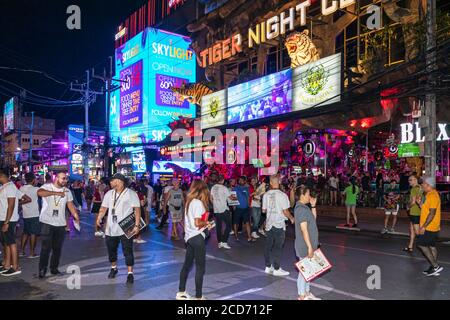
(123, 204)
(306, 237)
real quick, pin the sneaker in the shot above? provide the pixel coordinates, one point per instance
(392, 230)
(280, 273)
(231, 233)
(130, 278)
(113, 273)
(2, 269)
(269, 270)
(11, 272)
(255, 235)
(202, 298)
(219, 245)
(23, 254)
(225, 246)
(355, 226)
(183, 296)
(432, 272)
(134, 240)
(56, 273)
(262, 232)
(42, 273)
(429, 270)
(98, 234)
(140, 241)
(346, 225)
(384, 231)
(310, 296)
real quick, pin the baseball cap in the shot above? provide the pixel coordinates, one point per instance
(119, 176)
(429, 180)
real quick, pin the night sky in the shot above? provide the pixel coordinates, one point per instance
(34, 36)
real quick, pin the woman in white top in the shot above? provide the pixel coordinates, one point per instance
(333, 182)
(195, 223)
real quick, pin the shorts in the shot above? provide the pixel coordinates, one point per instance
(414, 219)
(393, 211)
(9, 237)
(351, 205)
(31, 226)
(243, 214)
(333, 188)
(428, 239)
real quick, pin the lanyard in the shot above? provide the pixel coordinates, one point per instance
(54, 199)
(116, 199)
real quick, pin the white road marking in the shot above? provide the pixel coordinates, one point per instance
(380, 252)
(239, 294)
(319, 286)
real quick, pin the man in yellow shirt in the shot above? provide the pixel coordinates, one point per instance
(430, 225)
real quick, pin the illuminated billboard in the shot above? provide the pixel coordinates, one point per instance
(75, 136)
(261, 98)
(214, 109)
(171, 166)
(8, 115)
(148, 65)
(317, 84)
(138, 161)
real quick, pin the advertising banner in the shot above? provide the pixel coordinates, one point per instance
(150, 63)
(317, 84)
(131, 95)
(8, 115)
(214, 107)
(75, 137)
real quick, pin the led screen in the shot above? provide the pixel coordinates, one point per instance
(148, 65)
(261, 98)
(75, 136)
(8, 115)
(138, 161)
(169, 166)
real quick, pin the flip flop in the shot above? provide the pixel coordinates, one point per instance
(407, 249)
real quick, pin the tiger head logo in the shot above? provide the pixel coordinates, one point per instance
(301, 49)
(214, 107)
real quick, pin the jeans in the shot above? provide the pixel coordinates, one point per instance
(225, 217)
(302, 286)
(112, 243)
(256, 216)
(195, 250)
(52, 241)
(380, 193)
(274, 245)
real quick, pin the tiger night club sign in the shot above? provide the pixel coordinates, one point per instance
(267, 30)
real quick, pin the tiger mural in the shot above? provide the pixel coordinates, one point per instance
(192, 92)
(301, 49)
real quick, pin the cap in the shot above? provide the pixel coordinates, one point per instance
(119, 176)
(429, 180)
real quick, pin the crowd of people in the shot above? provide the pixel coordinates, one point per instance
(257, 208)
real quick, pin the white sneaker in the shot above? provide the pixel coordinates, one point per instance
(231, 233)
(255, 235)
(183, 296)
(269, 270)
(225, 246)
(310, 296)
(220, 245)
(134, 240)
(262, 232)
(280, 273)
(140, 241)
(98, 234)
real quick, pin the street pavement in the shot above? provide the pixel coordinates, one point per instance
(237, 273)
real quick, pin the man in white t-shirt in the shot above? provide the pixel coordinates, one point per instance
(10, 197)
(276, 206)
(121, 203)
(30, 212)
(55, 197)
(164, 205)
(219, 196)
